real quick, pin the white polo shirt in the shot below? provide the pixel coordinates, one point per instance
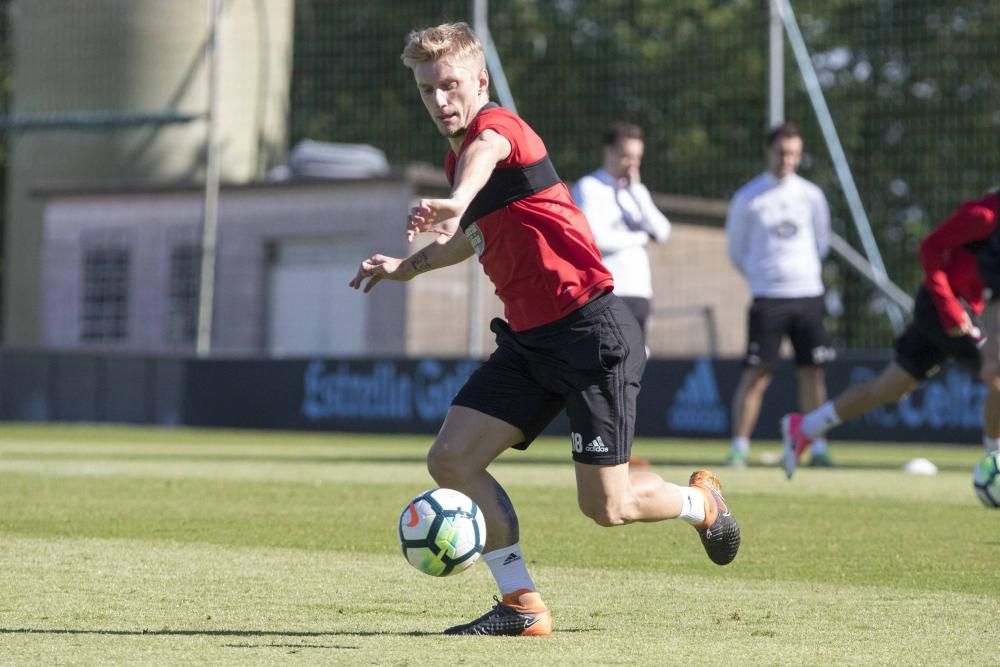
(778, 231)
(622, 221)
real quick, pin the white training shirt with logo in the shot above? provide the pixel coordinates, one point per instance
(778, 232)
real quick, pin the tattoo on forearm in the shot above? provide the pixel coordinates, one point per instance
(420, 262)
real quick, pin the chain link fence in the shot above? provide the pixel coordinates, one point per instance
(913, 87)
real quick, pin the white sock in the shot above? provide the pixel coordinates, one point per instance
(693, 505)
(818, 447)
(820, 420)
(991, 444)
(509, 569)
(741, 445)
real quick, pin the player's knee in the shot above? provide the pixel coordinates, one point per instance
(757, 379)
(444, 465)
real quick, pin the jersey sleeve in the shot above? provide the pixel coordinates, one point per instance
(821, 222)
(525, 147)
(737, 232)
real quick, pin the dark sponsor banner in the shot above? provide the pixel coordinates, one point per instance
(680, 398)
(689, 398)
(693, 399)
(946, 408)
(379, 396)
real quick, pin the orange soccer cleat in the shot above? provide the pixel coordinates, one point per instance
(519, 614)
(719, 533)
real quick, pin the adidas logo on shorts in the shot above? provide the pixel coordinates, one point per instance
(596, 446)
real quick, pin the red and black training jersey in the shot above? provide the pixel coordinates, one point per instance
(948, 256)
(533, 242)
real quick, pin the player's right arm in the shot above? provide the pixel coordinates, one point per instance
(434, 256)
(474, 169)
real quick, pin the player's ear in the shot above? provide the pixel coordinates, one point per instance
(484, 80)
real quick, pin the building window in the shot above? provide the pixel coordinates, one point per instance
(185, 283)
(104, 311)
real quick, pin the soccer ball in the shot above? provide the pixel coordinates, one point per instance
(442, 532)
(986, 480)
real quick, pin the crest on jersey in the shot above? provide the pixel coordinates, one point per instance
(475, 238)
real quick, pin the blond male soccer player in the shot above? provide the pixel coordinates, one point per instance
(961, 262)
(778, 231)
(566, 343)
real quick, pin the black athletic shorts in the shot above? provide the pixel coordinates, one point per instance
(589, 363)
(801, 319)
(924, 345)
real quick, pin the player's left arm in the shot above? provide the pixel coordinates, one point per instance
(821, 224)
(474, 169)
(436, 255)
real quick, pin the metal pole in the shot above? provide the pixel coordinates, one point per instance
(840, 164)
(474, 343)
(775, 66)
(481, 25)
(210, 208)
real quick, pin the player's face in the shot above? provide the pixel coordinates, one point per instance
(453, 91)
(623, 157)
(784, 155)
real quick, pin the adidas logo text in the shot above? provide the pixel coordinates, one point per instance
(511, 558)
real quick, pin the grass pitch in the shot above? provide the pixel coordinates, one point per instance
(141, 546)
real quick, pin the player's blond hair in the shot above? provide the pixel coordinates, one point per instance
(454, 40)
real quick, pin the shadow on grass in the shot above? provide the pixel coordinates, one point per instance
(205, 633)
(237, 633)
(419, 458)
(720, 466)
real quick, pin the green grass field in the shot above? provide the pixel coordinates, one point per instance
(143, 546)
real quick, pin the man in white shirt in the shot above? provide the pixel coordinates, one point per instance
(778, 230)
(623, 217)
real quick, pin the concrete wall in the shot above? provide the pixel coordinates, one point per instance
(250, 220)
(699, 305)
(130, 57)
(699, 300)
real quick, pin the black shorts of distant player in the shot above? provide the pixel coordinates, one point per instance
(589, 363)
(801, 319)
(924, 345)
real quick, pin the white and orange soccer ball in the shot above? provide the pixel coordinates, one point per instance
(442, 532)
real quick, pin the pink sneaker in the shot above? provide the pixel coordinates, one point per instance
(795, 442)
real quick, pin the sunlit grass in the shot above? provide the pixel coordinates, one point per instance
(142, 546)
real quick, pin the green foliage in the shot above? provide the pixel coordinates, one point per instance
(912, 85)
(146, 546)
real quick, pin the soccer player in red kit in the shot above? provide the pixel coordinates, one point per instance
(961, 262)
(566, 343)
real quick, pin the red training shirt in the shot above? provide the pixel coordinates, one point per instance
(538, 251)
(950, 266)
